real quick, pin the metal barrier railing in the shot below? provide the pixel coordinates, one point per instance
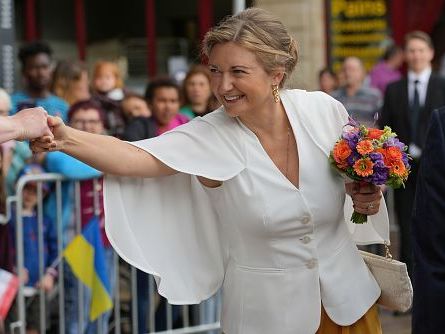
(116, 326)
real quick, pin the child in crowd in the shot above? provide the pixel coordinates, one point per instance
(70, 81)
(134, 105)
(31, 270)
(107, 80)
(108, 91)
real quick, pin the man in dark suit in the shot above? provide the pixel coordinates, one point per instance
(407, 109)
(428, 233)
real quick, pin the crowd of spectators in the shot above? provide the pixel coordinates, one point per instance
(99, 104)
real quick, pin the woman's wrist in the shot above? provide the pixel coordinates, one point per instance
(69, 140)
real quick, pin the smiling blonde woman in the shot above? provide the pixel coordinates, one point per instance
(258, 210)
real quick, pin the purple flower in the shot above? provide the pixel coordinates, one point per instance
(375, 157)
(352, 137)
(353, 158)
(392, 141)
(405, 159)
(380, 175)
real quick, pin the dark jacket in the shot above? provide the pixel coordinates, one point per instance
(398, 114)
(114, 117)
(140, 128)
(396, 111)
(428, 233)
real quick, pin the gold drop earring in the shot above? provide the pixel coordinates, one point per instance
(276, 93)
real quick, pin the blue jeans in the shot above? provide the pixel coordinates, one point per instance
(72, 300)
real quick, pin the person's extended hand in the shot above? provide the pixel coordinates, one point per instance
(46, 283)
(54, 141)
(31, 123)
(365, 197)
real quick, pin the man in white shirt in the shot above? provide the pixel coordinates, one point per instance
(407, 108)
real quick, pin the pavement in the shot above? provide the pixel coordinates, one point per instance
(400, 324)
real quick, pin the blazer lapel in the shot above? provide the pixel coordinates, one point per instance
(322, 131)
(429, 94)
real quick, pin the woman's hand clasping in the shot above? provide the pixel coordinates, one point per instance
(365, 197)
(49, 143)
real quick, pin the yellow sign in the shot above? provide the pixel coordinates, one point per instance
(356, 28)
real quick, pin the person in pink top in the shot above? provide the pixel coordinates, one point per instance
(387, 70)
(163, 98)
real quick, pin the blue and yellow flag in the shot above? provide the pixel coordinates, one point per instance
(85, 255)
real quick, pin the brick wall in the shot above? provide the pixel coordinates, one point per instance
(305, 21)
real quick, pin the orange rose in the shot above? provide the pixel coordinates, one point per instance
(374, 133)
(390, 155)
(393, 154)
(363, 167)
(341, 151)
(365, 147)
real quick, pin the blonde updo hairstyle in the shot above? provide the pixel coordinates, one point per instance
(260, 32)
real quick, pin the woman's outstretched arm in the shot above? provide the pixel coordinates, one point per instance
(105, 153)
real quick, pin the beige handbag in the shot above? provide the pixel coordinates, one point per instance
(392, 277)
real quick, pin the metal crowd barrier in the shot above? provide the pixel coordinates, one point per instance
(120, 323)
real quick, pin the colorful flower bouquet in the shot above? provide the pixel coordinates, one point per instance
(371, 156)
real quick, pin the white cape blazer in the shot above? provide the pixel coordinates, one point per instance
(278, 251)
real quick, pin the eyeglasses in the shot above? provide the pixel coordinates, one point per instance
(83, 122)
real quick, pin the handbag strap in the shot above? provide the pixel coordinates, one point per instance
(388, 254)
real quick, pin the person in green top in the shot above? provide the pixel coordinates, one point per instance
(198, 97)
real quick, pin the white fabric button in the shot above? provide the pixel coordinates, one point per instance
(311, 264)
(306, 239)
(305, 220)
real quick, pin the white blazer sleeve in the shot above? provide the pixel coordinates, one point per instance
(166, 226)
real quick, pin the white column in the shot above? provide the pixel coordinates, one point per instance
(238, 6)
